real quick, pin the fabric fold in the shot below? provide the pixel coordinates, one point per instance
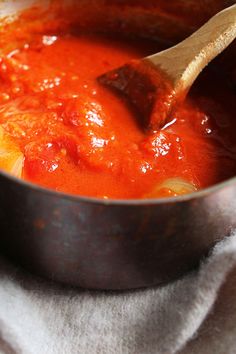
(39, 317)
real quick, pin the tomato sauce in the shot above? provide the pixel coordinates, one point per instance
(78, 137)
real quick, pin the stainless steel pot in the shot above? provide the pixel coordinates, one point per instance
(101, 244)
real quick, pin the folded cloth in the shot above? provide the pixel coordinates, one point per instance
(195, 314)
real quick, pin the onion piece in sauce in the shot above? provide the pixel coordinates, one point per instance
(11, 158)
(175, 186)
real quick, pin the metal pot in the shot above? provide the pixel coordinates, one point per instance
(125, 244)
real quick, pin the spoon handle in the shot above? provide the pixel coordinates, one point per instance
(183, 62)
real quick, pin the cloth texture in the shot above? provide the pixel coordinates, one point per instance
(193, 315)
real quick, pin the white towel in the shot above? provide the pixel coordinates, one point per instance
(193, 315)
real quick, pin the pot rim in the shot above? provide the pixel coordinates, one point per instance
(121, 202)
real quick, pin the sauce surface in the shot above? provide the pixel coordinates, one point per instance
(62, 130)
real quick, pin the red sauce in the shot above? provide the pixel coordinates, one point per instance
(78, 137)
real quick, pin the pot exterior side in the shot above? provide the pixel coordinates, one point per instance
(102, 246)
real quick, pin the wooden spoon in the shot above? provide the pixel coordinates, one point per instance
(156, 84)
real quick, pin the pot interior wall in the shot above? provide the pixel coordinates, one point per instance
(170, 21)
